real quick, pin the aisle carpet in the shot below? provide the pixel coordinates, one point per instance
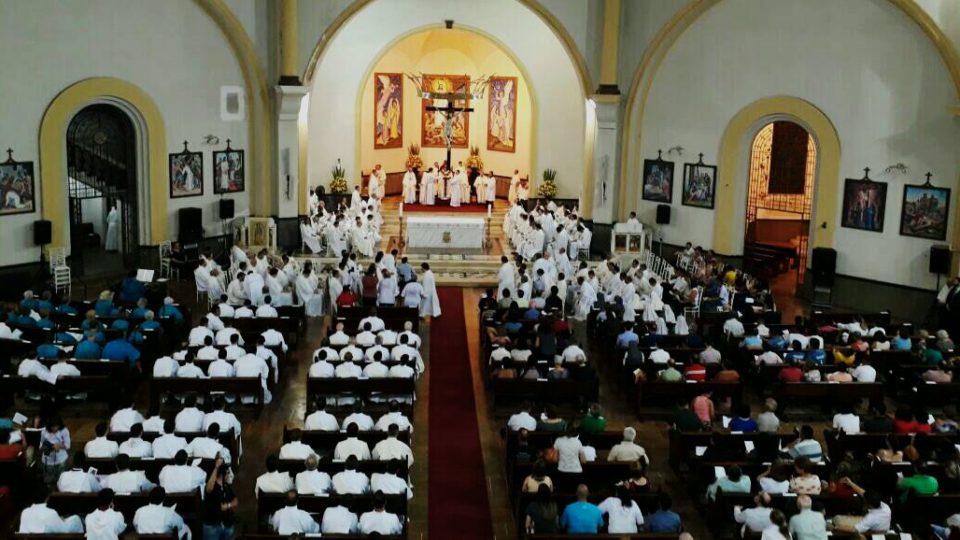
(444, 206)
(457, 506)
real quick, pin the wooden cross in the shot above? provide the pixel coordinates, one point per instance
(866, 173)
(448, 113)
(928, 175)
(185, 150)
(228, 144)
(701, 158)
(9, 154)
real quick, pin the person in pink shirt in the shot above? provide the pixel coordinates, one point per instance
(703, 407)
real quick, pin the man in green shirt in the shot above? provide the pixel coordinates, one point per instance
(807, 524)
(593, 422)
(919, 483)
(685, 419)
(671, 374)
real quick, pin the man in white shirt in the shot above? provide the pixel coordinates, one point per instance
(393, 416)
(273, 481)
(101, 447)
(125, 480)
(78, 479)
(167, 445)
(768, 358)
(290, 520)
(403, 370)
(105, 523)
(321, 369)
(124, 418)
(366, 337)
(865, 373)
(408, 337)
(572, 353)
(628, 451)
(252, 365)
(709, 355)
(190, 418)
(733, 328)
(135, 446)
(221, 368)
(570, 452)
(213, 320)
(376, 369)
(227, 420)
(621, 518)
(39, 518)
(338, 520)
(363, 420)
(165, 367)
(189, 370)
(846, 421)
(209, 447)
(155, 518)
(295, 449)
(339, 338)
(659, 356)
(755, 519)
(390, 482)
(234, 350)
(351, 446)
(349, 481)
(181, 477)
(347, 370)
(379, 520)
(198, 335)
(223, 336)
(273, 338)
(267, 311)
(208, 351)
(392, 447)
(522, 420)
(387, 289)
(320, 419)
(376, 323)
(311, 481)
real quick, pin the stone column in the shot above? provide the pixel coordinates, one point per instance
(289, 57)
(606, 147)
(288, 191)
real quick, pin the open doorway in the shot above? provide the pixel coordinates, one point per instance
(102, 187)
(783, 164)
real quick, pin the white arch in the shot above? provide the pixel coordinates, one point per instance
(558, 137)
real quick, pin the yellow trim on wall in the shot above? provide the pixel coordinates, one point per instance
(670, 32)
(262, 174)
(53, 152)
(733, 164)
(611, 42)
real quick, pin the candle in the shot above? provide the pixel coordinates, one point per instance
(489, 211)
(401, 209)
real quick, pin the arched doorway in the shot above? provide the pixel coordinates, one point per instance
(780, 189)
(102, 191)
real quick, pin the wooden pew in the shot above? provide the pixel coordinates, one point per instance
(288, 326)
(326, 441)
(597, 475)
(205, 388)
(367, 467)
(683, 444)
(118, 371)
(939, 394)
(226, 438)
(648, 503)
(150, 467)
(364, 388)
(829, 395)
(863, 443)
(393, 317)
(97, 387)
(188, 504)
(667, 393)
(509, 391)
(539, 440)
(25, 536)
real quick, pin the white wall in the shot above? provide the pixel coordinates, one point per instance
(639, 23)
(584, 22)
(341, 75)
(170, 49)
(870, 69)
(444, 51)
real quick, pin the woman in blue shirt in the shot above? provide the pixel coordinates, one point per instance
(902, 342)
(816, 355)
(742, 422)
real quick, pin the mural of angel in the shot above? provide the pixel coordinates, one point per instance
(388, 110)
(502, 126)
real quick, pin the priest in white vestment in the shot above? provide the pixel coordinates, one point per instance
(409, 187)
(113, 230)
(429, 187)
(480, 186)
(456, 189)
(514, 183)
(431, 302)
(491, 187)
(309, 236)
(506, 278)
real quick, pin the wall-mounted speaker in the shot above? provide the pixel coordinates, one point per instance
(940, 259)
(226, 208)
(42, 232)
(663, 214)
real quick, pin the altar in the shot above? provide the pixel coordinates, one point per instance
(445, 232)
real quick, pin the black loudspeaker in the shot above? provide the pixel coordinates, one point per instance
(940, 259)
(663, 214)
(42, 232)
(824, 265)
(226, 208)
(191, 225)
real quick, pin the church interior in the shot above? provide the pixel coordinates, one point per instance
(422, 269)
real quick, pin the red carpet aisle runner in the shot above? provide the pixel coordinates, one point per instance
(457, 506)
(444, 206)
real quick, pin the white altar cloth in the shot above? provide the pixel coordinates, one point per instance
(445, 232)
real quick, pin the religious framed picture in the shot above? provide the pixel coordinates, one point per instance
(658, 180)
(502, 115)
(17, 194)
(699, 184)
(228, 170)
(387, 110)
(435, 129)
(186, 173)
(864, 204)
(924, 212)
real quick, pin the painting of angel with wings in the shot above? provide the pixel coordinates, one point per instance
(388, 110)
(502, 126)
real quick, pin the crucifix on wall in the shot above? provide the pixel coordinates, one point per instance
(449, 112)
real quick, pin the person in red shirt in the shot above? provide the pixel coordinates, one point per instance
(695, 372)
(791, 373)
(9, 452)
(346, 298)
(905, 421)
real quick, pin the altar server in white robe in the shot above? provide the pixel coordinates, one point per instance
(310, 238)
(506, 277)
(307, 293)
(533, 245)
(490, 184)
(362, 242)
(456, 190)
(373, 184)
(335, 241)
(430, 187)
(254, 287)
(409, 187)
(480, 187)
(356, 201)
(237, 256)
(431, 301)
(41, 519)
(514, 182)
(112, 242)
(586, 298)
(561, 242)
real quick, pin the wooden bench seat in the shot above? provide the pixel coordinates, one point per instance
(245, 386)
(511, 391)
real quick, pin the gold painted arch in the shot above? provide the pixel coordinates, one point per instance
(670, 32)
(533, 5)
(53, 153)
(733, 164)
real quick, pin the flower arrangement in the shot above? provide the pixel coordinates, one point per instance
(338, 184)
(414, 161)
(548, 189)
(474, 161)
